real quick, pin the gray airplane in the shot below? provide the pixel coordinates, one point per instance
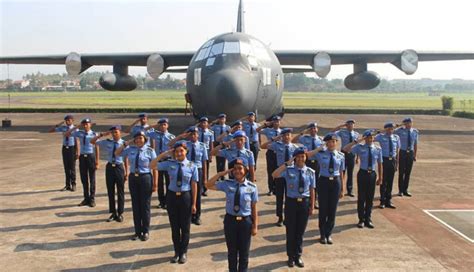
(236, 73)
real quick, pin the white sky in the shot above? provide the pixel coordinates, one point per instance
(59, 27)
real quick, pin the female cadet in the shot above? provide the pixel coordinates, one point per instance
(370, 156)
(300, 195)
(241, 219)
(181, 196)
(270, 129)
(115, 171)
(140, 182)
(330, 184)
(220, 128)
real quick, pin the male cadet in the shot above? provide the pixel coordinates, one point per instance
(390, 144)
(70, 152)
(219, 128)
(283, 149)
(250, 128)
(309, 138)
(160, 139)
(197, 153)
(270, 129)
(230, 154)
(347, 134)
(139, 125)
(408, 149)
(88, 159)
(227, 137)
(206, 136)
(116, 171)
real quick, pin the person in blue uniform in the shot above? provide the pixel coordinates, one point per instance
(140, 182)
(227, 137)
(160, 138)
(367, 177)
(241, 219)
(283, 149)
(330, 184)
(88, 159)
(139, 125)
(309, 138)
(70, 152)
(270, 129)
(390, 144)
(197, 153)
(181, 196)
(219, 127)
(347, 134)
(250, 127)
(206, 136)
(225, 150)
(300, 198)
(115, 171)
(408, 151)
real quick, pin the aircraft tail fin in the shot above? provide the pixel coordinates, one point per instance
(240, 18)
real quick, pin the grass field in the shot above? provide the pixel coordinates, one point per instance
(175, 99)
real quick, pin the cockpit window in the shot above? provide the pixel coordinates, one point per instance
(216, 49)
(259, 49)
(231, 47)
(204, 52)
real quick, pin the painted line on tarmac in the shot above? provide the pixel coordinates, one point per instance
(428, 212)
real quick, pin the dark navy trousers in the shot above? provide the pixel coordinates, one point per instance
(140, 191)
(237, 237)
(87, 170)
(328, 199)
(179, 214)
(365, 194)
(296, 220)
(115, 178)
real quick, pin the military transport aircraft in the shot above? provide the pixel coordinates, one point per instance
(236, 73)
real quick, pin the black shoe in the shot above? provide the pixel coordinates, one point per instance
(291, 262)
(73, 188)
(92, 203)
(66, 188)
(391, 206)
(279, 223)
(174, 259)
(119, 218)
(382, 206)
(299, 262)
(112, 218)
(183, 259)
(269, 193)
(350, 194)
(204, 194)
(400, 194)
(316, 206)
(369, 224)
(407, 194)
(197, 221)
(329, 239)
(360, 224)
(322, 240)
(145, 237)
(83, 203)
(135, 237)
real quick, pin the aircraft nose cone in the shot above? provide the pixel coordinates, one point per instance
(230, 90)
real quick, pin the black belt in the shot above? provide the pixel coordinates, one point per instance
(140, 174)
(86, 155)
(68, 146)
(330, 178)
(298, 199)
(179, 193)
(407, 151)
(114, 164)
(389, 158)
(367, 171)
(236, 217)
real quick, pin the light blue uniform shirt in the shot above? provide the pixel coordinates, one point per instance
(384, 140)
(219, 130)
(323, 158)
(67, 141)
(403, 133)
(309, 141)
(233, 145)
(206, 137)
(189, 174)
(270, 133)
(280, 149)
(201, 153)
(162, 139)
(231, 153)
(363, 152)
(108, 145)
(292, 178)
(248, 195)
(345, 134)
(251, 131)
(85, 140)
(139, 128)
(147, 154)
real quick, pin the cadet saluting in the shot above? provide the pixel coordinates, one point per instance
(220, 128)
(270, 129)
(70, 152)
(115, 171)
(330, 184)
(370, 156)
(181, 196)
(300, 195)
(408, 149)
(241, 219)
(139, 125)
(250, 128)
(140, 182)
(88, 160)
(206, 136)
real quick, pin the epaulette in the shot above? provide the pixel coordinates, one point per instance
(252, 184)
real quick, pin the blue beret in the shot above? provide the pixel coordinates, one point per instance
(389, 125)
(312, 125)
(286, 130)
(236, 123)
(180, 144)
(300, 150)
(140, 133)
(203, 119)
(239, 133)
(68, 116)
(350, 121)
(163, 121)
(330, 136)
(407, 120)
(86, 120)
(251, 113)
(367, 133)
(115, 127)
(276, 118)
(242, 161)
(142, 115)
(222, 115)
(192, 129)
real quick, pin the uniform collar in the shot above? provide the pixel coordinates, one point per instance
(304, 168)
(183, 162)
(372, 145)
(245, 183)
